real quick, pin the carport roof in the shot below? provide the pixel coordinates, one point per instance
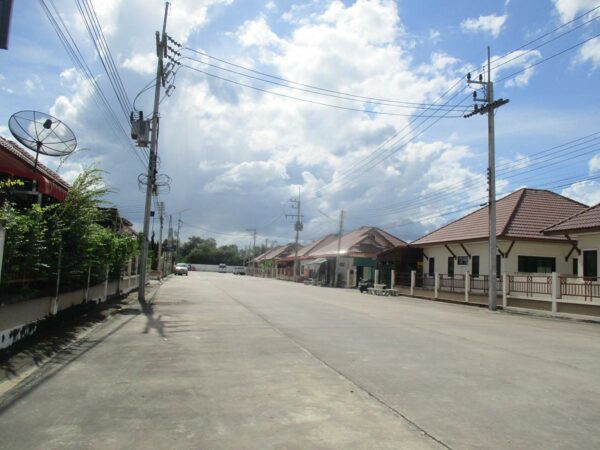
(583, 221)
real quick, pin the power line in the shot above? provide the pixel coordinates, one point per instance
(79, 62)
(314, 102)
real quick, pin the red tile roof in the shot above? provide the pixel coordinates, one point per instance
(19, 163)
(521, 215)
(279, 252)
(586, 220)
(362, 242)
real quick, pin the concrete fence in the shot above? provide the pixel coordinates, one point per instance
(19, 320)
(553, 293)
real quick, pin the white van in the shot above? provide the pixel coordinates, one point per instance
(222, 268)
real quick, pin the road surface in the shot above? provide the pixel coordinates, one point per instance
(231, 362)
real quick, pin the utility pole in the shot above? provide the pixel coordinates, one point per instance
(251, 259)
(179, 222)
(161, 211)
(161, 50)
(298, 226)
(339, 248)
(489, 106)
(170, 241)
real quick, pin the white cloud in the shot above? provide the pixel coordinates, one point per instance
(514, 62)
(569, 9)
(590, 52)
(271, 6)
(434, 36)
(489, 24)
(256, 33)
(257, 175)
(587, 192)
(144, 64)
(594, 164)
(33, 83)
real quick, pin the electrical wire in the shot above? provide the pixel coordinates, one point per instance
(314, 102)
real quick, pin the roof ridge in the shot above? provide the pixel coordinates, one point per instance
(514, 210)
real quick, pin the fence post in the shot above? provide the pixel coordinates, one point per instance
(413, 278)
(87, 288)
(436, 284)
(393, 279)
(467, 286)
(554, 291)
(504, 290)
(2, 238)
(54, 304)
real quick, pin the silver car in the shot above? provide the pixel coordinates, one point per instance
(181, 269)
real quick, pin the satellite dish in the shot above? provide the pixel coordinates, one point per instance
(42, 133)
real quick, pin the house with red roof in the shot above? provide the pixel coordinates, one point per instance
(523, 246)
(358, 251)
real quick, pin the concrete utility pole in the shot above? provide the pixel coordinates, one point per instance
(179, 222)
(161, 50)
(253, 231)
(161, 211)
(339, 248)
(298, 226)
(489, 106)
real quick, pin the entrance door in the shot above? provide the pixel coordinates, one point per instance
(450, 266)
(590, 264)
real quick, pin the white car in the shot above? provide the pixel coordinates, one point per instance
(181, 269)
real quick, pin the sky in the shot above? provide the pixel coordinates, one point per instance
(353, 122)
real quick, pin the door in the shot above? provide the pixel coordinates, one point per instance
(450, 266)
(590, 264)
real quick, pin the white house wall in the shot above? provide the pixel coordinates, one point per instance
(509, 265)
(589, 241)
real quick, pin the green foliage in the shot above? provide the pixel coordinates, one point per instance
(205, 251)
(77, 233)
(25, 244)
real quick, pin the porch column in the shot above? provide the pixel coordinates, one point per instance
(348, 280)
(393, 279)
(467, 286)
(376, 276)
(554, 289)
(436, 284)
(413, 279)
(504, 290)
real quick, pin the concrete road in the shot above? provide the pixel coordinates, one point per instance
(231, 362)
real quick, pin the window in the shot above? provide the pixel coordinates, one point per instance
(450, 266)
(536, 264)
(590, 264)
(575, 266)
(431, 266)
(475, 269)
(462, 261)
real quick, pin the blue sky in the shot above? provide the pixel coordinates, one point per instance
(237, 155)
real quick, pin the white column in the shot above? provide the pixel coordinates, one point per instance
(554, 289)
(393, 279)
(504, 290)
(106, 284)
(376, 276)
(436, 284)
(413, 279)
(467, 286)
(348, 280)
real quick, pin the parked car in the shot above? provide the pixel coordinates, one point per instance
(239, 270)
(222, 268)
(181, 269)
